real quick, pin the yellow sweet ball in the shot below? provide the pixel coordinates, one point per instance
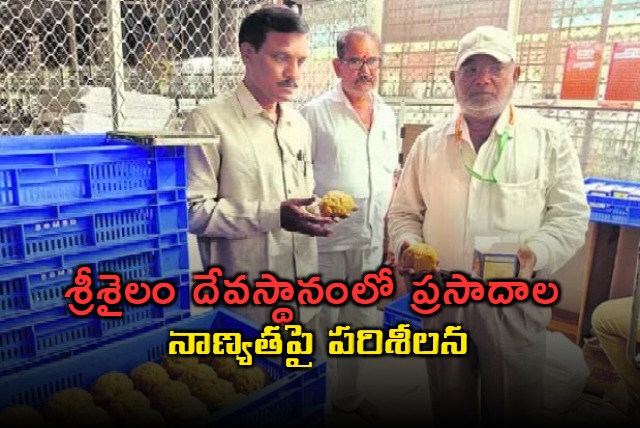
(420, 257)
(21, 415)
(89, 417)
(110, 385)
(147, 375)
(193, 375)
(62, 404)
(224, 366)
(175, 365)
(215, 394)
(247, 380)
(165, 393)
(186, 411)
(336, 203)
(126, 404)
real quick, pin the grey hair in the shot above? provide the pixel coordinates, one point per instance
(343, 39)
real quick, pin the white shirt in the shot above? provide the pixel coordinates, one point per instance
(539, 198)
(235, 189)
(360, 162)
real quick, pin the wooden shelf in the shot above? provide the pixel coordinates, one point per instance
(565, 322)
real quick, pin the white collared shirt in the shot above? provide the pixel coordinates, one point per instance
(235, 189)
(539, 198)
(347, 157)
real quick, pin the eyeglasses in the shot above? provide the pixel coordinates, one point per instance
(472, 71)
(355, 63)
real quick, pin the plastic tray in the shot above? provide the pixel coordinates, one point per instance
(399, 312)
(67, 168)
(28, 288)
(617, 204)
(38, 232)
(292, 397)
(55, 334)
(70, 200)
(35, 324)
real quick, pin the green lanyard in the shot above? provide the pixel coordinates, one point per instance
(504, 137)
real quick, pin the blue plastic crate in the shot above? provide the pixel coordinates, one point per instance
(56, 334)
(293, 397)
(77, 200)
(36, 324)
(399, 312)
(28, 288)
(37, 232)
(56, 169)
(18, 340)
(139, 317)
(181, 308)
(55, 340)
(59, 335)
(133, 318)
(618, 203)
(32, 287)
(153, 258)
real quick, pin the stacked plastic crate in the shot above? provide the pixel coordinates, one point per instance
(398, 312)
(118, 208)
(67, 201)
(614, 201)
(289, 398)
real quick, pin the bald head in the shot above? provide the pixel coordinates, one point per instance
(358, 32)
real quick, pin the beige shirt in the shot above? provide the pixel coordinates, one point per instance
(235, 189)
(539, 198)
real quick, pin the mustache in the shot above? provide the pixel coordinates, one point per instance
(287, 84)
(362, 79)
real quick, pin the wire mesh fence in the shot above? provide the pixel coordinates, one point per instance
(417, 65)
(420, 39)
(69, 66)
(61, 73)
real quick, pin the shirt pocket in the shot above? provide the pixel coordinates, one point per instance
(298, 172)
(386, 155)
(389, 166)
(518, 207)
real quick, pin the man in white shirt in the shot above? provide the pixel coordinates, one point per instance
(491, 170)
(247, 194)
(355, 149)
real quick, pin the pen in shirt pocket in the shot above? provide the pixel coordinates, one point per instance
(304, 163)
